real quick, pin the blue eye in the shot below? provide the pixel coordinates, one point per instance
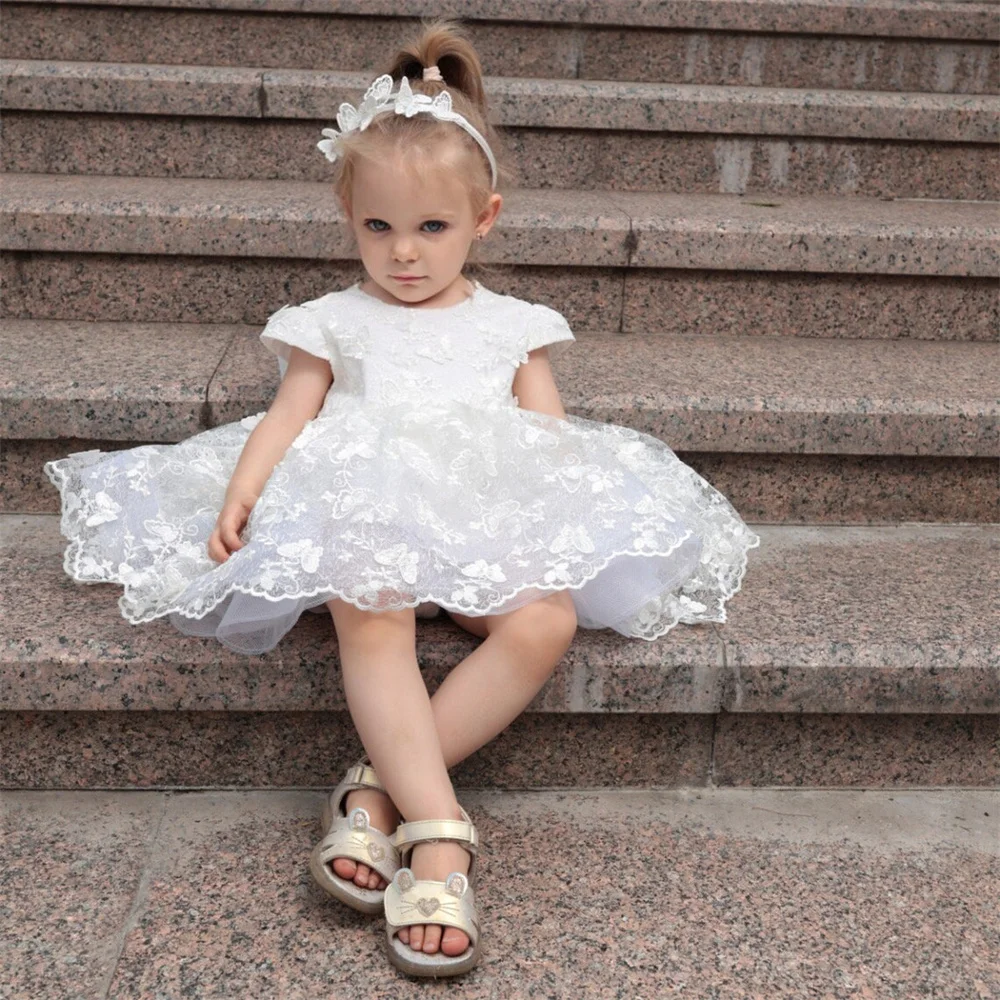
(373, 223)
(437, 222)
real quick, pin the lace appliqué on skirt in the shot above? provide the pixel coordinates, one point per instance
(477, 511)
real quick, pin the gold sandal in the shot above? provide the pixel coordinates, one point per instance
(353, 837)
(451, 903)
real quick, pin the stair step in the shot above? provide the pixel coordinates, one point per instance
(145, 287)
(753, 394)
(888, 47)
(295, 219)
(238, 149)
(219, 91)
(892, 18)
(234, 749)
(829, 620)
(241, 123)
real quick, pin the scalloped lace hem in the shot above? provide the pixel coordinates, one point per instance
(716, 591)
(326, 593)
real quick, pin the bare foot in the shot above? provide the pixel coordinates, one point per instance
(437, 861)
(384, 817)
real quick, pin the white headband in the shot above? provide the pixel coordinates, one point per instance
(379, 97)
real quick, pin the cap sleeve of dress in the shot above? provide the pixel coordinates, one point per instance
(546, 327)
(296, 326)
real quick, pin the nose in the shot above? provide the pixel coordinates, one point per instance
(404, 250)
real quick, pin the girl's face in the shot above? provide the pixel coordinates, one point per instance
(414, 233)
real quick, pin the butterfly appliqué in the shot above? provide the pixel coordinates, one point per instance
(378, 98)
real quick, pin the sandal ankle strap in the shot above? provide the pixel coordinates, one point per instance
(418, 831)
(363, 775)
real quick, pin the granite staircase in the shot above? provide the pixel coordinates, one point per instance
(773, 227)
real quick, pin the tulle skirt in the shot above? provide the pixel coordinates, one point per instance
(477, 511)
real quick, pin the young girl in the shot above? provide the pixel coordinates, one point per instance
(416, 457)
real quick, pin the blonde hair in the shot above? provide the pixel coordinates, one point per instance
(444, 44)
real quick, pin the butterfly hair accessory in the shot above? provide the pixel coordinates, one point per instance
(380, 97)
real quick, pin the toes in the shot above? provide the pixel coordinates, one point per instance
(454, 941)
(345, 868)
(432, 939)
(429, 939)
(417, 937)
(360, 875)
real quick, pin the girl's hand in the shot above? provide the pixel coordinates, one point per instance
(225, 538)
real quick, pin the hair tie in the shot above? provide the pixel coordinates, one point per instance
(432, 73)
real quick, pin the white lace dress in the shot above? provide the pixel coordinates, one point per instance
(421, 482)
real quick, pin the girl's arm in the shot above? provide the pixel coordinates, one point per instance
(299, 398)
(535, 387)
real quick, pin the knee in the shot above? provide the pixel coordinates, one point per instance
(548, 624)
(354, 625)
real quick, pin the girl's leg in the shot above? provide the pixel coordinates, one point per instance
(487, 691)
(476, 702)
(495, 683)
(392, 713)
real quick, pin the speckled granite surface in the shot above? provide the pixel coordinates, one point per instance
(617, 895)
(830, 620)
(226, 92)
(244, 382)
(539, 103)
(165, 288)
(161, 288)
(846, 235)
(176, 216)
(115, 88)
(146, 380)
(894, 18)
(159, 146)
(24, 487)
(872, 751)
(784, 60)
(853, 489)
(793, 394)
(583, 228)
(859, 306)
(677, 162)
(747, 394)
(130, 750)
(71, 875)
(255, 37)
(874, 396)
(301, 749)
(832, 623)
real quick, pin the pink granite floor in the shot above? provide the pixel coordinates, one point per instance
(729, 893)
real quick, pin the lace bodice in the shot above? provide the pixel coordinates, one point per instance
(385, 354)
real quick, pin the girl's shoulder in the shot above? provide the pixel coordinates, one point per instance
(510, 306)
(532, 324)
